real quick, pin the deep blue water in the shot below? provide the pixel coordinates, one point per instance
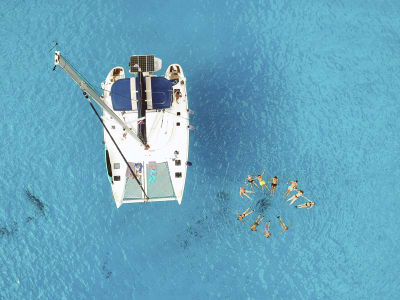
(306, 90)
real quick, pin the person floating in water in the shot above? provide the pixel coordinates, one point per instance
(274, 183)
(251, 181)
(284, 227)
(244, 192)
(309, 204)
(295, 197)
(267, 229)
(256, 223)
(245, 214)
(291, 187)
(262, 181)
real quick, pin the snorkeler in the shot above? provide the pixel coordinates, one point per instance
(291, 187)
(309, 204)
(295, 197)
(245, 214)
(274, 183)
(244, 192)
(251, 181)
(284, 227)
(262, 181)
(256, 223)
(267, 229)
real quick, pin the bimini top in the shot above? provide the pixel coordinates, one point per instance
(125, 93)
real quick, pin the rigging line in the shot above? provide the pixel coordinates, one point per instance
(120, 152)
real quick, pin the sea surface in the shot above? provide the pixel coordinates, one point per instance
(305, 90)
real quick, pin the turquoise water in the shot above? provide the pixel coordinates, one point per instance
(306, 90)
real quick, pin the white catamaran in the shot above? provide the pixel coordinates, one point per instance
(146, 128)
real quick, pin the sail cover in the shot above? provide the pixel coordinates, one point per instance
(122, 96)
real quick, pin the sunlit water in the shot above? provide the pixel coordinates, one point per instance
(305, 90)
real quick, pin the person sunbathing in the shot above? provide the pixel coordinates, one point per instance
(245, 214)
(309, 204)
(291, 187)
(256, 223)
(244, 192)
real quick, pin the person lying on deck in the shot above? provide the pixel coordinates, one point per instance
(256, 223)
(244, 192)
(153, 176)
(245, 214)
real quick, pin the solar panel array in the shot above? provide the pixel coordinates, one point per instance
(141, 63)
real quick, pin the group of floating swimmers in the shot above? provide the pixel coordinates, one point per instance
(271, 186)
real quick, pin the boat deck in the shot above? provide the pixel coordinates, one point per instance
(156, 182)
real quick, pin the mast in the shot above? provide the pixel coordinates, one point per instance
(142, 109)
(59, 60)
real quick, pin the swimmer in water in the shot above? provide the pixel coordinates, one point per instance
(244, 192)
(274, 183)
(292, 186)
(251, 181)
(262, 181)
(244, 214)
(284, 227)
(309, 204)
(295, 197)
(267, 232)
(256, 223)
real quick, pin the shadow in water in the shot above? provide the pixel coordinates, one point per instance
(106, 272)
(28, 219)
(262, 205)
(36, 202)
(9, 231)
(199, 229)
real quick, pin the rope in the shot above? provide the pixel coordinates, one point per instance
(120, 152)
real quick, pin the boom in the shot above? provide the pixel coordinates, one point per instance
(85, 87)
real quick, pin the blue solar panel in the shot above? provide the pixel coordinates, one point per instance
(121, 95)
(161, 93)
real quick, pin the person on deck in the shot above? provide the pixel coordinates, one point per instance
(284, 227)
(256, 223)
(267, 229)
(245, 214)
(274, 183)
(244, 192)
(295, 197)
(309, 204)
(291, 187)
